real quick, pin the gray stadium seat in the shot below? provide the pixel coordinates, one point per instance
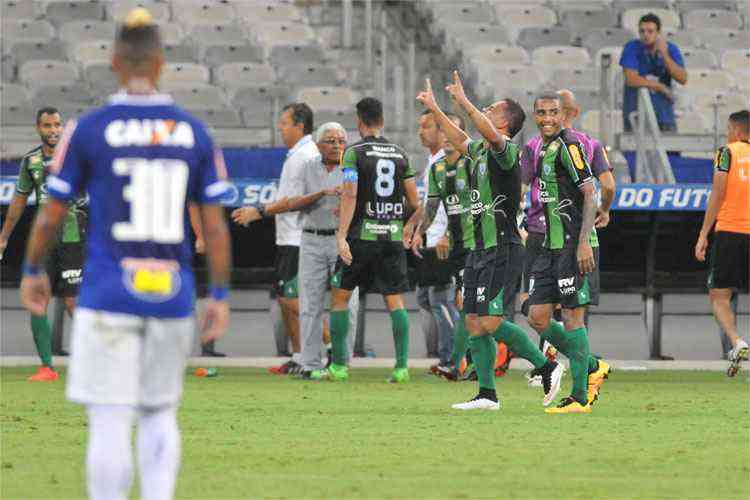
(682, 38)
(590, 122)
(622, 5)
(669, 18)
(34, 51)
(704, 102)
(8, 67)
(222, 54)
(171, 33)
(686, 6)
(327, 98)
(207, 12)
(555, 56)
(283, 55)
(706, 80)
(712, 19)
(347, 119)
(606, 37)
(257, 97)
(220, 117)
(36, 73)
(311, 74)
(52, 94)
(242, 137)
(179, 53)
(236, 75)
(73, 111)
(92, 52)
(587, 99)
(271, 34)
(219, 34)
(101, 79)
(497, 54)
(184, 74)
(467, 35)
(736, 59)
(578, 79)
(61, 12)
(19, 9)
(463, 12)
(257, 116)
(80, 31)
(532, 38)
(16, 149)
(580, 22)
(699, 58)
(507, 77)
(26, 30)
(517, 17)
(199, 97)
(11, 114)
(719, 40)
(118, 10)
(267, 11)
(13, 94)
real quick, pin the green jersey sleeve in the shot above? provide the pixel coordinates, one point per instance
(575, 163)
(25, 184)
(349, 160)
(506, 159)
(723, 159)
(475, 149)
(409, 170)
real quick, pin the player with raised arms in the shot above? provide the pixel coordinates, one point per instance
(142, 160)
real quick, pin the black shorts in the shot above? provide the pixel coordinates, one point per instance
(377, 267)
(730, 260)
(64, 266)
(492, 279)
(534, 245)
(432, 271)
(457, 261)
(556, 280)
(287, 264)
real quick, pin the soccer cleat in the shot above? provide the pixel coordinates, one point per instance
(551, 378)
(737, 355)
(550, 351)
(470, 373)
(44, 374)
(399, 376)
(338, 372)
(314, 375)
(503, 359)
(448, 373)
(288, 368)
(477, 404)
(569, 405)
(534, 380)
(596, 381)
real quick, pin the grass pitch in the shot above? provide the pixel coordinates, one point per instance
(247, 434)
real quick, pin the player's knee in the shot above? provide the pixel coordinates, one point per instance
(489, 324)
(473, 326)
(538, 320)
(573, 318)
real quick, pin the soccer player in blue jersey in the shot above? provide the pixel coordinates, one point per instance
(142, 160)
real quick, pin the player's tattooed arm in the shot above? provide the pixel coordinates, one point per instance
(453, 132)
(481, 122)
(585, 253)
(429, 213)
(412, 198)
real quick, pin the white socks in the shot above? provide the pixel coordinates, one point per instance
(109, 457)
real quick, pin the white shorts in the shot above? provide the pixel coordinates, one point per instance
(120, 359)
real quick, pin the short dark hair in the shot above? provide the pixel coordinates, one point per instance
(547, 96)
(301, 113)
(650, 18)
(138, 38)
(515, 115)
(370, 111)
(741, 118)
(46, 110)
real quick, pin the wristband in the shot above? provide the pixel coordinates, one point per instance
(219, 292)
(29, 270)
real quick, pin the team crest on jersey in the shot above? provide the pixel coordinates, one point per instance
(439, 167)
(575, 154)
(133, 132)
(483, 169)
(547, 169)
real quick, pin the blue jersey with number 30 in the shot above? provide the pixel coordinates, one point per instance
(141, 159)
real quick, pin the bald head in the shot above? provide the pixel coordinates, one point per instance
(569, 107)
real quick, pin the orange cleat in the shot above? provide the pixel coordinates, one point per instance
(44, 374)
(504, 357)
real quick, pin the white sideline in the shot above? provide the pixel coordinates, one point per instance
(516, 364)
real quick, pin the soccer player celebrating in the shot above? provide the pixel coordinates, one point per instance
(66, 260)
(141, 159)
(372, 234)
(729, 209)
(493, 266)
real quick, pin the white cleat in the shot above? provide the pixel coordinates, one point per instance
(534, 380)
(477, 404)
(554, 384)
(737, 355)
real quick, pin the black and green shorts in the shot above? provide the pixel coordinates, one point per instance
(64, 266)
(377, 267)
(287, 267)
(555, 279)
(492, 279)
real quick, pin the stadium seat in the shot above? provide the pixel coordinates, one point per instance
(199, 97)
(497, 54)
(117, 11)
(19, 9)
(57, 95)
(494, 78)
(70, 111)
(101, 79)
(594, 40)
(271, 34)
(699, 58)
(580, 22)
(590, 122)
(463, 12)
(13, 94)
(712, 19)
(686, 6)
(238, 137)
(179, 53)
(219, 34)
(555, 56)
(621, 6)
(467, 35)
(588, 99)
(742, 77)
(171, 33)
(575, 79)
(237, 75)
(92, 52)
(517, 17)
(257, 98)
(310, 75)
(347, 119)
(219, 117)
(206, 12)
(184, 73)
(532, 38)
(719, 40)
(736, 59)
(16, 149)
(217, 55)
(327, 98)
(669, 18)
(62, 12)
(34, 51)
(25, 30)
(706, 80)
(285, 55)
(12, 114)
(37, 73)
(258, 116)
(692, 123)
(682, 38)
(81, 31)
(267, 11)
(705, 102)
(8, 67)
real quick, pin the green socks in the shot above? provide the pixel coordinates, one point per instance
(400, 325)
(460, 337)
(483, 353)
(578, 341)
(339, 329)
(556, 335)
(42, 338)
(519, 343)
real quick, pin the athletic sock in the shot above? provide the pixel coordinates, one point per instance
(556, 335)
(339, 330)
(579, 355)
(593, 363)
(487, 394)
(519, 343)
(484, 352)
(42, 338)
(109, 454)
(158, 453)
(460, 337)
(400, 326)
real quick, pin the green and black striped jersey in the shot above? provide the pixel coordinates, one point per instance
(450, 183)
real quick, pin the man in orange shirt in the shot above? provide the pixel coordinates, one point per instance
(729, 208)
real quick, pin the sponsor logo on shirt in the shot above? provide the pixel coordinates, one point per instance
(147, 132)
